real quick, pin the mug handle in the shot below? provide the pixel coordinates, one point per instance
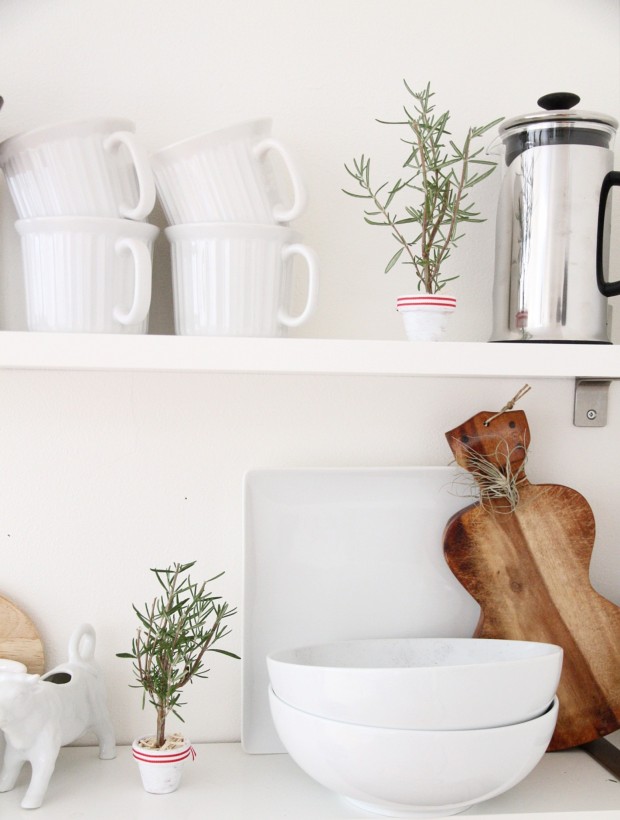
(300, 197)
(139, 309)
(312, 265)
(146, 182)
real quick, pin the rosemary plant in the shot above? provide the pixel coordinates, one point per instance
(176, 631)
(439, 178)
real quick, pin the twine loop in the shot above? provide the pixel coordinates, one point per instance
(509, 405)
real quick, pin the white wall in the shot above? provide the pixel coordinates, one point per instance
(103, 475)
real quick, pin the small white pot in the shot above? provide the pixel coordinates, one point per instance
(161, 769)
(425, 315)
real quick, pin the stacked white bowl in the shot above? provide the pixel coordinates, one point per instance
(416, 727)
(81, 190)
(231, 246)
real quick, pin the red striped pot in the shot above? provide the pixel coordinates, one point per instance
(161, 769)
(425, 315)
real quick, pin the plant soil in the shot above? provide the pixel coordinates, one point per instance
(174, 741)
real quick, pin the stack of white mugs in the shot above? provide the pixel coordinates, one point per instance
(82, 191)
(232, 250)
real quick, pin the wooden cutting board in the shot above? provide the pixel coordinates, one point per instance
(528, 568)
(19, 639)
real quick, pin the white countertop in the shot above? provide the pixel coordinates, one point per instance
(225, 783)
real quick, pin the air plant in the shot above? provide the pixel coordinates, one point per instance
(495, 477)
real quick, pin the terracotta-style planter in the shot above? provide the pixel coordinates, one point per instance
(425, 315)
(161, 769)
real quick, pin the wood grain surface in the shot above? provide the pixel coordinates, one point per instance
(19, 639)
(529, 571)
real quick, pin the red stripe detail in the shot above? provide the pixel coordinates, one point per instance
(433, 297)
(170, 757)
(449, 305)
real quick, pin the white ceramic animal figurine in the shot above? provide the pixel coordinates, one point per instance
(39, 714)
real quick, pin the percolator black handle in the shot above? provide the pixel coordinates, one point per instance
(606, 288)
(559, 101)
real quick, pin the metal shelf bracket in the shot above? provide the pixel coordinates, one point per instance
(590, 407)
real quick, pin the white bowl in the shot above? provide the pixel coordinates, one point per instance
(420, 683)
(410, 773)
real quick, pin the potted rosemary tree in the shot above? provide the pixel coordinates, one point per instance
(434, 190)
(175, 633)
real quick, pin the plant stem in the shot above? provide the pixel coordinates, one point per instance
(161, 726)
(457, 200)
(394, 227)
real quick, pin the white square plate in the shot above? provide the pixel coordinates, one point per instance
(334, 554)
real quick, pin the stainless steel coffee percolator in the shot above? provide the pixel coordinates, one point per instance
(552, 231)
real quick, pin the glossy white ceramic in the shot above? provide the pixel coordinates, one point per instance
(235, 280)
(39, 714)
(419, 683)
(86, 168)
(7, 665)
(411, 773)
(338, 554)
(226, 176)
(88, 275)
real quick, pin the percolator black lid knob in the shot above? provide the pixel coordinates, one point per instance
(559, 101)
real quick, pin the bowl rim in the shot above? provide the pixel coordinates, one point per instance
(552, 707)
(547, 650)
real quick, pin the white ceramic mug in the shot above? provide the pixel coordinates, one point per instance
(87, 274)
(236, 280)
(225, 176)
(87, 168)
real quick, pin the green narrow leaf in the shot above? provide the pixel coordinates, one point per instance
(224, 652)
(478, 178)
(394, 260)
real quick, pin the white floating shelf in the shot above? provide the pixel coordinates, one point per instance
(224, 783)
(67, 351)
